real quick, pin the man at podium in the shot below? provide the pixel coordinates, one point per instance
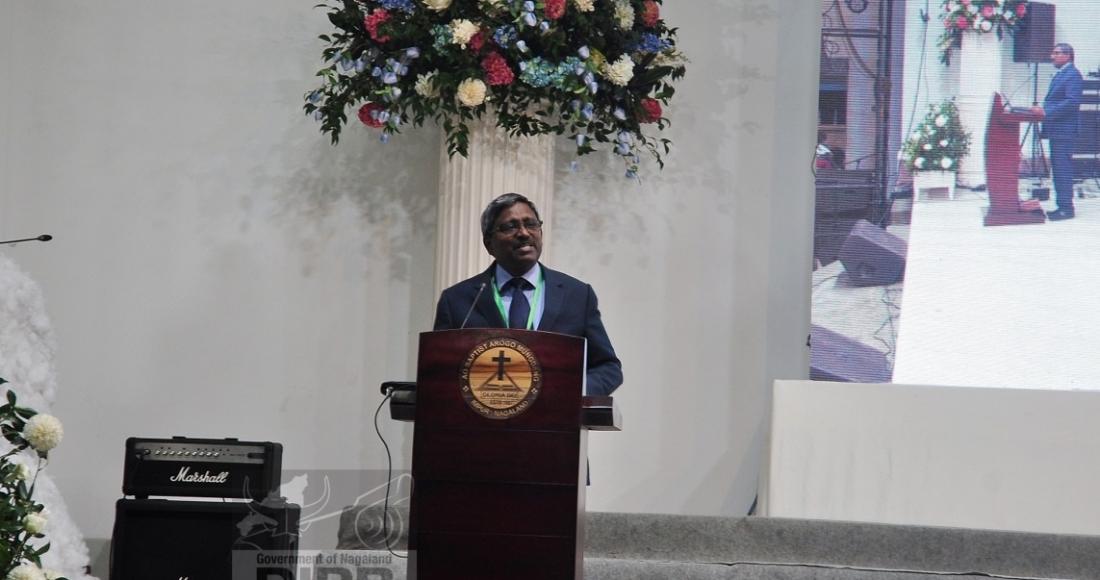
(1060, 123)
(519, 292)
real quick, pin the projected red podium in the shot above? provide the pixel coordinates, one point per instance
(499, 455)
(1002, 166)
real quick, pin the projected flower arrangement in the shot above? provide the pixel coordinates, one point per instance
(22, 521)
(938, 142)
(980, 16)
(595, 71)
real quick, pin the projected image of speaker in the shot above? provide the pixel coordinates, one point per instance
(156, 538)
(1034, 38)
(872, 256)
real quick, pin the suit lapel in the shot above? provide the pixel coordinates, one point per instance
(486, 306)
(553, 300)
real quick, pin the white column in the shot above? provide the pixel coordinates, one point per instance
(496, 164)
(979, 78)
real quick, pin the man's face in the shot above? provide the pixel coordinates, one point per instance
(518, 250)
(1059, 57)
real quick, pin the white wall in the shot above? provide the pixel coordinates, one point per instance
(220, 270)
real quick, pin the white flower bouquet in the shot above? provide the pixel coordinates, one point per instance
(938, 142)
(22, 521)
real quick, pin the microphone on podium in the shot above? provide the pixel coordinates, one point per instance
(480, 289)
(42, 238)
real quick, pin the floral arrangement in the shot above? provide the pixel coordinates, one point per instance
(21, 518)
(596, 71)
(939, 142)
(982, 16)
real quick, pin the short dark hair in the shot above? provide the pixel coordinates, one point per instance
(1066, 48)
(498, 205)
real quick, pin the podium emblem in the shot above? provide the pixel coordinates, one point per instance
(501, 378)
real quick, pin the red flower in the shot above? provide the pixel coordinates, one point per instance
(368, 119)
(555, 9)
(1021, 10)
(987, 11)
(962, 23)
(497, 71)
(651, 13)
(372, 21)
(477, 41)
(651, 111)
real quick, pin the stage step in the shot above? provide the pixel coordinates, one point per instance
(645, 546)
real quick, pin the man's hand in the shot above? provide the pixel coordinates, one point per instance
(1039, 112)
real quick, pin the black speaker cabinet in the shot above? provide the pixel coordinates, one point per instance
(835, 357)
(1035, 37)
(872, 256)
(196, 539)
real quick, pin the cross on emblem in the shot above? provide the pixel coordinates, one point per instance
(500, 359)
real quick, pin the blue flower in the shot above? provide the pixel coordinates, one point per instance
(405, 6)
(528, 6)
(315, 96)
(529, 19)
(384, 138)
(505, 35)
(521, 46)
(389, 78)
(581, 139)
(544, 26)
(619, 114)
(377, 72)
(412, 52)
(583, 52)
(651, 43)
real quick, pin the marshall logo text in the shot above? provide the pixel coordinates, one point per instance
(185, 476)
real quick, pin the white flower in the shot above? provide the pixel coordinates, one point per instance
(26, 572)
(941, 120)
(437, 5)
(585, 5)
(34, 523)
(946, 162)
(927, 147)
(22, 471)
(43, 432)
(491, 4)
(915, 136)
(919, 163)
(624, 14)
(471, 92)
(620, 72)
(943, 142)
(670, 57)
(425, 85)
(462, 31)
(972, 9)
(986, 25)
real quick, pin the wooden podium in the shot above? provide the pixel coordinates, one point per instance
(499, 455)
(1002, 167)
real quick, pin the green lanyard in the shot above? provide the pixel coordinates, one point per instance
(534, 302)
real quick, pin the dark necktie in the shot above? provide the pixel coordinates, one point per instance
(520, 310)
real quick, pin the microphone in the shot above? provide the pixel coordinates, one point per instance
(480, 289)
(42, 238)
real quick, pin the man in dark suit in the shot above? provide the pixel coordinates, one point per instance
(1060, 121)
(519, 292)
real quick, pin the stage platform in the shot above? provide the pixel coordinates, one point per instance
(1005, 306)
(659, 547)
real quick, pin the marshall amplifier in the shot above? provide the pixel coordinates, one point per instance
(181, 466)
(203, 540)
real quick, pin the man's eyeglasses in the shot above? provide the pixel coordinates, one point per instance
(510, 228)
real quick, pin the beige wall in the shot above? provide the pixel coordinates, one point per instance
(220, 270)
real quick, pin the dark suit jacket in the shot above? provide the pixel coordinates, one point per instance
(570, 308)
(1062, 103)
